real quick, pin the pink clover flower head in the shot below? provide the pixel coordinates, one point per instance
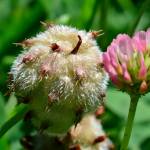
(127, 61)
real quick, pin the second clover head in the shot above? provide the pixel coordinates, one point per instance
(127, 62)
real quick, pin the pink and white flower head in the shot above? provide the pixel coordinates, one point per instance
(127, 62)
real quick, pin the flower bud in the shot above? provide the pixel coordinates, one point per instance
(143, 87)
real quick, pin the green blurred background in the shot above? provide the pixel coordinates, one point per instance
(20, 19)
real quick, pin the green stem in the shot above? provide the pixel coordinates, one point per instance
(144, 6)
(129, 125)
(12, 121)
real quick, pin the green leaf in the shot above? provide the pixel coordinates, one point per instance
(126, 4)
(22, 110)
(10, 106)
(7, 60)
(3, 144)
(2, 109)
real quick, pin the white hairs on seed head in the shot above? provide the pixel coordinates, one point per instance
(64, 61)
(89, 134)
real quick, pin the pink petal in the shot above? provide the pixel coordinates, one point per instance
(111, 51)
(126, 74)
(139, 41)
(143, 70)
(111, 70)
(106, 61)
(106, 58)
(123, 58)
(124, 47)
(116, 81)
(113, 57)
(124, 43)
(148, 39)
(107, 64)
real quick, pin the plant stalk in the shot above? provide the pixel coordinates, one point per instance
(13, 121)
(130, 120)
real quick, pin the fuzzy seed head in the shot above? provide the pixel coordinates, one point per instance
(65, 60)
(60, 65)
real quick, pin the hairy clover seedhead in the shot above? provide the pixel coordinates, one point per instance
(59, 70)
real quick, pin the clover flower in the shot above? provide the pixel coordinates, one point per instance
(58, 74)
(127, 62)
